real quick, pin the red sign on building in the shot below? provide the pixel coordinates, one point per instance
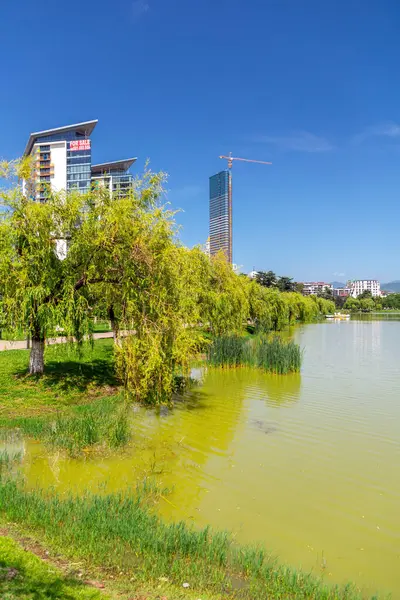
(79, 145)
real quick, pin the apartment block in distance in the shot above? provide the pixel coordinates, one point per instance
(63, 161)
(221, 214)
(315, 287)
(358, 286)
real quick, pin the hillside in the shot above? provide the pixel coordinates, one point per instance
(392, 286)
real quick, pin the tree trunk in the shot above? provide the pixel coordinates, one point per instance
(114, 326)
(36, 360)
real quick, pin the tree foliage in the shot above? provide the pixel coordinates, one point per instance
(121, 258)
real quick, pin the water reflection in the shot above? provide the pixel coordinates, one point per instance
(282, 389)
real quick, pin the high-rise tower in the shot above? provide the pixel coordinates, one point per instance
(221, 214)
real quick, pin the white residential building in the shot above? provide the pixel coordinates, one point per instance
(358, 286)
(62, 160)
(252, 274)
(315, 287)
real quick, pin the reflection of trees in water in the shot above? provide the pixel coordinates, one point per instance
(184, 447)
(274, 389)
(282, 389)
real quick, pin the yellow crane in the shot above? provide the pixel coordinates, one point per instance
(231, 158)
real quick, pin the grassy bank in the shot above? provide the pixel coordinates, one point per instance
(23, 576)
(121, 535)
(76, 405)
(70, 378)
(272, 355)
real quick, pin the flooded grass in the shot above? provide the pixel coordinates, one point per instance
(120, 534)
(272, 355)
(104, 424)
(7, 460)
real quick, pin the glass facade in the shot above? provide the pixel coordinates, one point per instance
(79, 164)
(118, 181)
(221, 214)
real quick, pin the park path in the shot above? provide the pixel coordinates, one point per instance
(13, 345)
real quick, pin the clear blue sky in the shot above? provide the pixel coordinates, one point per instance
(312, 86)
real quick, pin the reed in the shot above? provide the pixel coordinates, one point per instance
(278, 356)
(272, 355)
(104, 424)
(227, 351)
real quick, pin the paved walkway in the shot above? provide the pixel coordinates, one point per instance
(10, 345)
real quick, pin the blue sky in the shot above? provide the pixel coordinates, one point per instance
(311, 86)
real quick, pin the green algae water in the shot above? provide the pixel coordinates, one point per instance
(306, 464)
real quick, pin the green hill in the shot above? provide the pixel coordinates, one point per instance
(392, 286)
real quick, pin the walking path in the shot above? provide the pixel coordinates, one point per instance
(11, 345)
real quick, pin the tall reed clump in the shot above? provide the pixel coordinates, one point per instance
(272, 355)
(227, 351)
(278, 356)
(120, 534)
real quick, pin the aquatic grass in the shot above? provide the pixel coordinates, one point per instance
(272, 355)
(120, 534)
(104, 423)
(278, 356)
(227, 351)
(7, 460)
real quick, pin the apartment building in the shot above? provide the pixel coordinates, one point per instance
(315, 287)
(358, 286)
(62, 160)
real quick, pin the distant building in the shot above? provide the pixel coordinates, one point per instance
(63, 161)
(252, 274)
(315, 287)
(341, 292)
(221, 214)
(358, 286)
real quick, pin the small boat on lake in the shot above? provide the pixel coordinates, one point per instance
(339, 316)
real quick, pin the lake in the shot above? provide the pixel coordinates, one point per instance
(308, 464)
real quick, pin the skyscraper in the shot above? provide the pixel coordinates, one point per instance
(221, 214)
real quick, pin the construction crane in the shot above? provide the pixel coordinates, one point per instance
(231, 158)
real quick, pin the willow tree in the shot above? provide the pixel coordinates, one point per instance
(115, 255)
(132, 265)
(226, 300)
(37, 280)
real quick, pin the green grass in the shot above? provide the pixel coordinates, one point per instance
(272, 355)
(70, 378)
(24, 576)
(120, 534)
(103, 424)
(77, 404)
